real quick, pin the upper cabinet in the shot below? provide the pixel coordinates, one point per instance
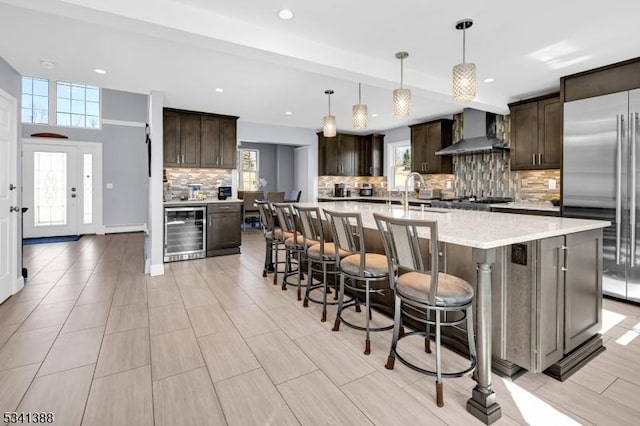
(536, 134)
(426, 140)
(350, 155)
(193, 139)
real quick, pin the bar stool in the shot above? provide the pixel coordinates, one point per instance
(419, 288)
(274, 239)
(323, 254)
(294, 245)
(356, 268)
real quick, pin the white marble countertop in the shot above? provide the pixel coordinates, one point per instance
(200, 202)
(475, 229)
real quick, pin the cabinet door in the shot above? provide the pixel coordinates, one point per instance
(228, 144)
(549, 308)
(190, 140)
(171, 139)
(433, 145)
(583, 287)
(224, 231)
(210, 141)
(331, 156)
(364, 157)
(550, 133)
(347, 159)
(418, 148)
(524, 136)
(377, 155)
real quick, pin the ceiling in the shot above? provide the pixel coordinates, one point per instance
(267, 66)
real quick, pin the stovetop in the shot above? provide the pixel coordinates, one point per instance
(470, 203)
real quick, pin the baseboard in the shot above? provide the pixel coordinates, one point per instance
(118, 229)
(156, 270)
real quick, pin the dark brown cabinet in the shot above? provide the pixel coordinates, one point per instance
(181, 139)
(536, 134)
(223, 228)
(426, 140)
(370, 155)
(194, 139)
(350, 155)
(218, 142)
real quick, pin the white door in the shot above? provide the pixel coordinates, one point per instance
(8, 196)
(61, 182)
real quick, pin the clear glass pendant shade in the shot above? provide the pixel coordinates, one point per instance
(401, 103)
(464, 82)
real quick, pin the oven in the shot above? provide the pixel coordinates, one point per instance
(185, 233)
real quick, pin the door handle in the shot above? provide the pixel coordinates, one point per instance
(12, 187)
(632, 141)
(13, 209)
(73, 195)
(619, 123)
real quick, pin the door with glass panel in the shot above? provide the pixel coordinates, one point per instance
(59, 188)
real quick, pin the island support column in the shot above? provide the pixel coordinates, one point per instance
(482, 403)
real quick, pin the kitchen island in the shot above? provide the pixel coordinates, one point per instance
(545, 269)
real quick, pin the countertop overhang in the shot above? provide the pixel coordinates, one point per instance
(476, 229)
(179, 203)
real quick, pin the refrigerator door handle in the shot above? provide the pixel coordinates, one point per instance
(619, 120)
(632, 138)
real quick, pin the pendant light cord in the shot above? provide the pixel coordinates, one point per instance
(401, 71)
(359, 93)
(329, 95)
(464, 42)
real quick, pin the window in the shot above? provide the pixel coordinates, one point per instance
(401, 166)
(249, 169)
(35, 100)
(77, 105)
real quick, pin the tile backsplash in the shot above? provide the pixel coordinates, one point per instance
(177, 179)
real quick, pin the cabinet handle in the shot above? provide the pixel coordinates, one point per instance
(539, 159)
(533, 159)
(371, 170)
(183, 159)
(178, 159)
(426, 167)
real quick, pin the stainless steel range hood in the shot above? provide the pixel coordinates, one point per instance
(479, 135)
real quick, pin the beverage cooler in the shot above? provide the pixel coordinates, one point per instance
(185, 233)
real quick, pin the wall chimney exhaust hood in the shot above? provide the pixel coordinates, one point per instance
(479, 135)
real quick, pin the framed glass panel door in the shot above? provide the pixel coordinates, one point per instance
(50, 190)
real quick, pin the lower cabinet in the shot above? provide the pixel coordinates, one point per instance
(223, 228)
(553, 298)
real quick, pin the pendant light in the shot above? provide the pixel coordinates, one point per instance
(329, 124)
(464, 74)
(401, 96)
(359, 117)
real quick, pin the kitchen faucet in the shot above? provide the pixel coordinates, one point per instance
(406, 188)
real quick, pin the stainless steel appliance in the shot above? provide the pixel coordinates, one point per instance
(600, 181)
(366, 190)
(470, 203)
(339, 190)
(185, 233)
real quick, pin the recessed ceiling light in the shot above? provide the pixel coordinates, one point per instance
(374, 115)
(285, 14)
(288, 113)
(99, 71)
(219, 90)
(489, 80)
(48, 64)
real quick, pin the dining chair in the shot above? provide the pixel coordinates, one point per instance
(275, 197)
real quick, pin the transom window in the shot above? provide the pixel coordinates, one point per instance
(249, 169)
(77, 105)
(63, 104)
(35, 100)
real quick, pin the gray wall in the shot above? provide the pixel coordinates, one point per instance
(124, 156)
(11, 82)
(276, 165)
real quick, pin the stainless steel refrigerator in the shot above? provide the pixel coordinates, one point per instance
(601, 180)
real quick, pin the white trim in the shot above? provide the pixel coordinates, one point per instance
(18, 284)
(122, 123)
(117, 229)
(155, 270)
(388, 159)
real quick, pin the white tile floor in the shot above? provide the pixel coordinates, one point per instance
(211, 342)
